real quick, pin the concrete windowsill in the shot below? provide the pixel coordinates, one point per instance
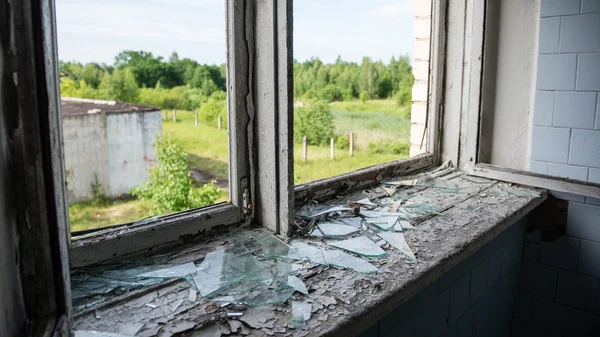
(345, 302)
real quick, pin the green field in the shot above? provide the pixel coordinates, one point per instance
(376, 121)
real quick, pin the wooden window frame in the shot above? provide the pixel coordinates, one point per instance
(127, 239)
(260, 103)
(472, 115)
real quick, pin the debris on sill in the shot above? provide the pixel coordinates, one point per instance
(242, 281)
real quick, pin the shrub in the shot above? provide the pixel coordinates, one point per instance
(364, 96)
(314, 121)
(342, 143)
(210, 111)
(347, 95)
(169, 185)
(330, 93)
(404, 96)
(373, 125)
(98, 195)
(389, 147)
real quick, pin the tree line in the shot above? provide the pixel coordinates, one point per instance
(175, 83)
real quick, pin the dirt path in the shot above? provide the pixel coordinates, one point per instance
(203, 177)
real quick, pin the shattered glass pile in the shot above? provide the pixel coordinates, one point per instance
(256, 269)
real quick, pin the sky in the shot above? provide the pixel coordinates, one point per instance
(97, 30)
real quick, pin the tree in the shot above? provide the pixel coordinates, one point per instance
(120, 86)
(169, 185)
(364, 96)
(315, 121)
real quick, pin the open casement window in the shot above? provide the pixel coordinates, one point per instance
(143, 236)
(428, 63)
(513, 72)
(260, 105)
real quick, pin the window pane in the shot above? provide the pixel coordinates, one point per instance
(143, 108)
(360, 67)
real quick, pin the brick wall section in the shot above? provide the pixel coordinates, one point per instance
(475, 298)
(421, 74)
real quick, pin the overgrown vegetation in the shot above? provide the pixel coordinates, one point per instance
(315, 121)
(169, 185)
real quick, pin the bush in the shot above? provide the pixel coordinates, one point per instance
(314, 121)
(330, 93)
(404, 96)
(210, 111)
(347, 95)
(98, 195)
(364, 96)
(373, 125)
(389, 147)
(169, 185)
(342, 143)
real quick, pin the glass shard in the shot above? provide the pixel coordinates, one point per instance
(303, 251)
(312, 211)
(331, 257)
(193, 296)
(345, 260)
(399, 242)
(178, 271)
(360, 245)
(379, 214)
(385, 223)
(301, 311)
(519, 192)
(333, 229)
(297, 284)
(82, 333)
(403, 225)
(426, 181)
(221, 269)
(265, 245)
(130, 329)
(365, 202)
(354, 222)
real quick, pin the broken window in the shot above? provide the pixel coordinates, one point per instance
(361, 91)
(144, 108)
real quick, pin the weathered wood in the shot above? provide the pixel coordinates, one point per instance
(196, 117)
(328, 188)
(168, 231)
(304, 149)
(174, 116)
(351, 139)
(440, 244)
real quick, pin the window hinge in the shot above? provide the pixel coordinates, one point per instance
(247, 201)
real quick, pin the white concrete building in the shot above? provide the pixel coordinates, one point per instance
(110, 140)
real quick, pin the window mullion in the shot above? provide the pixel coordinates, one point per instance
(273, 93)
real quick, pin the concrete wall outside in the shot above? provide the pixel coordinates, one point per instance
(560, 281)
(84, 143)
(475, 298)
(130, 140)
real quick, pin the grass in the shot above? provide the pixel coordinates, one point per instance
(87, 215)
(207, 148)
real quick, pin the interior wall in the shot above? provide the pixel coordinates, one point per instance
(560, 280)
(12, 310)
(509, 82)
(475, 298)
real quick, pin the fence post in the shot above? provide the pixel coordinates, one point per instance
(219, 121)
(196, 121)
(166, 115)
(174, 116)
(332, 144)
(351, 144)
(304, 148)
